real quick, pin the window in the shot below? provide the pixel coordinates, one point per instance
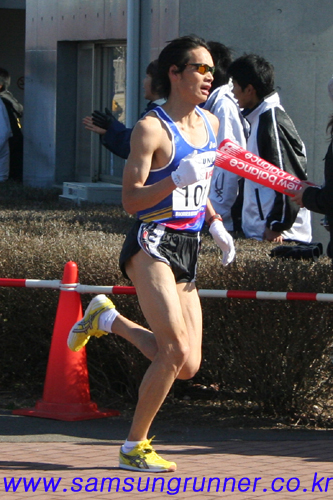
(101, 80)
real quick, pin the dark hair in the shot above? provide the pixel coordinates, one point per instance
(222, 59)
(152, 70)
(175, 53)
(255, 70)
(4, 78)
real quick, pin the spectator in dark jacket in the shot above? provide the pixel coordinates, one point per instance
(115, 136)
(5, 135)
(320, 199)
(15, 111)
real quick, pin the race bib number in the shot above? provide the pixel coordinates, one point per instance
(187, 201)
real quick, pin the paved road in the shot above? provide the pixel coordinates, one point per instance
(78, 460)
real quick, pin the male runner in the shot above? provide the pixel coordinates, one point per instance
(166, 183)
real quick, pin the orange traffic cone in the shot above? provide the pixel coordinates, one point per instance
(66, 393)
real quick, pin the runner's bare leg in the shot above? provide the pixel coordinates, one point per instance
(170, 311)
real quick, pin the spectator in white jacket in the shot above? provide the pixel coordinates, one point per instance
(221, 102)
(268, 214)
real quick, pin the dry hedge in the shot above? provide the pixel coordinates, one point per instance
(271, 356)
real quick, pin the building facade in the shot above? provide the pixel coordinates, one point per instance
(82, 55)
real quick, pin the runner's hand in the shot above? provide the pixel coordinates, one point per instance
(224, 240)
(191, 169)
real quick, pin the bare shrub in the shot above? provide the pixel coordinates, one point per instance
(275, 355)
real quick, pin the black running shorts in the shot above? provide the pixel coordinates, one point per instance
(178, 249)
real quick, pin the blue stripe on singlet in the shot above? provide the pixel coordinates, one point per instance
(162, 211)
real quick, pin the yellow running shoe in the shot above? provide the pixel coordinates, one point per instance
(88, 325)
(144, 458)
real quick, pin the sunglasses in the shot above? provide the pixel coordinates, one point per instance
(202, 68)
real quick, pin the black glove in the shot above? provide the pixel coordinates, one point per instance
(102, 120)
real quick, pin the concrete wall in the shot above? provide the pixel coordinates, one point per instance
(297, 37)
(51, 21)
(47, 23)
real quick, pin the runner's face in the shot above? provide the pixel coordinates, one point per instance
(195, 85)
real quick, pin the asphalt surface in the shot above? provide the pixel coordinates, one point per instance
(42, 458)
(14, 428)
